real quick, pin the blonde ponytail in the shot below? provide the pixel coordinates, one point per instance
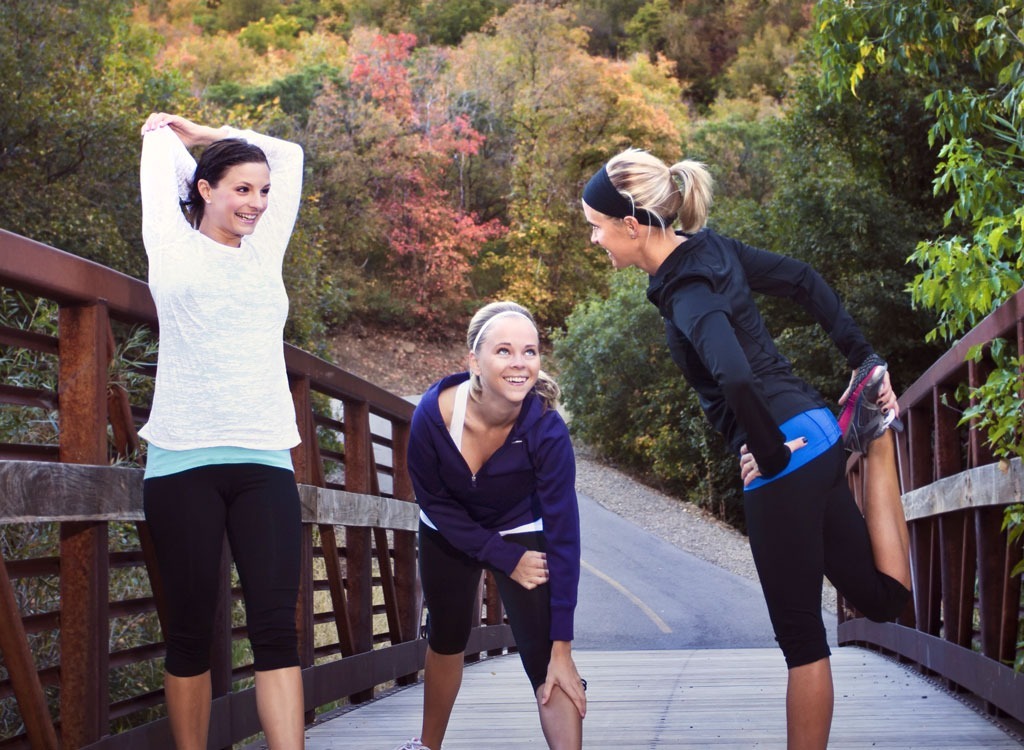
(681, 192)
(696, 186)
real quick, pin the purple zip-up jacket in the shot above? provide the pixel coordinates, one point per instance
(532, 475)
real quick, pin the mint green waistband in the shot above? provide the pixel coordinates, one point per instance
(161, 462)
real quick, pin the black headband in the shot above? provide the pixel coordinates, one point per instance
(601, 195)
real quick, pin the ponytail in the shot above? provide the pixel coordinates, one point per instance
(681, 192)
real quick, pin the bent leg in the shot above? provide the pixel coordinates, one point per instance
(560, 721)
(529, 616)
(442, 678)
(451, 582)
(883, 511)
(867, 558)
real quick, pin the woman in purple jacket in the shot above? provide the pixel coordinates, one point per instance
(494, 474)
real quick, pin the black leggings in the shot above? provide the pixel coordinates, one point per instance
(806, 525)
(451, 579)
(188, 514)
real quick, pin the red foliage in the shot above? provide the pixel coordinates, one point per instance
(432, 239)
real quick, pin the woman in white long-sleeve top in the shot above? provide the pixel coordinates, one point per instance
(222, 425)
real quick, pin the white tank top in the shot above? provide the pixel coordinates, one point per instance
(456, 430)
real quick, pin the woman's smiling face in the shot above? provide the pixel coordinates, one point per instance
(508, 358)
(613, 236)
(236, 203)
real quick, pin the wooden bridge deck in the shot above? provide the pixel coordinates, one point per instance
(721, 699)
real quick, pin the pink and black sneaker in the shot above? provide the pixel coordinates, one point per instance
(862, 420)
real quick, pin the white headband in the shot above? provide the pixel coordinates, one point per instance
(502, 314)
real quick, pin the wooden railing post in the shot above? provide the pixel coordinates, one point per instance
(84, 561)
(304, 461)
(358, 546)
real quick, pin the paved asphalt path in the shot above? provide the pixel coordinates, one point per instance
(640, 592)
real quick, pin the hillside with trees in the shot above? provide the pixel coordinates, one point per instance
(447, 142)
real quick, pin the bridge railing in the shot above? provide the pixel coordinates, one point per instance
(82, 650)
(965, 619)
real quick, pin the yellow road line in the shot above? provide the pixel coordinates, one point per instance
(662, 625)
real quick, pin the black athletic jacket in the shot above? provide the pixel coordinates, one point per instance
(718, 339)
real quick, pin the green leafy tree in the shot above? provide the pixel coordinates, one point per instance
(76, 79)
(446, 22)
(970, 56)
(704, 37)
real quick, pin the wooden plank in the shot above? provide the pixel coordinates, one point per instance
(721, 699)
(342, 508)
(38, 491)
(992, 484)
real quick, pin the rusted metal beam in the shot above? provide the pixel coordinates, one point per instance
(22, 339)
(45, 271)
(83, 546)
(346, 387)
(304, 462)
(358, 547)
(948, 368)
(966, 669)
(956, 534)
(21, 669)
(336, 585)
(991, 546)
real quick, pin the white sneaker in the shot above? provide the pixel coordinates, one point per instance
(413, 744)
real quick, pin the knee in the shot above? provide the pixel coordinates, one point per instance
(446, 637)
(802, 639)
(274, 640)
(802, 652)
(187, 656)
(890, 603)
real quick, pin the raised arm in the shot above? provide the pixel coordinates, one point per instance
(285, 159)
(164, 174)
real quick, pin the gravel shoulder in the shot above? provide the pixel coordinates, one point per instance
(679, 523)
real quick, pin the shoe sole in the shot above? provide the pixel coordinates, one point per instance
(873, 378)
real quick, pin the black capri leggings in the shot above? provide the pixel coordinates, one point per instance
(450, 580)
(806, 525)
(188, 514)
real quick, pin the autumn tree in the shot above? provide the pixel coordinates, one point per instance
(386, 140)
(560, 113)
(703, 37)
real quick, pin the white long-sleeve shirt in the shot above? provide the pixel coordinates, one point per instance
(221, 378)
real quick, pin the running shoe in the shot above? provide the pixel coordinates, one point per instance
(413, 744)
(862, 420)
